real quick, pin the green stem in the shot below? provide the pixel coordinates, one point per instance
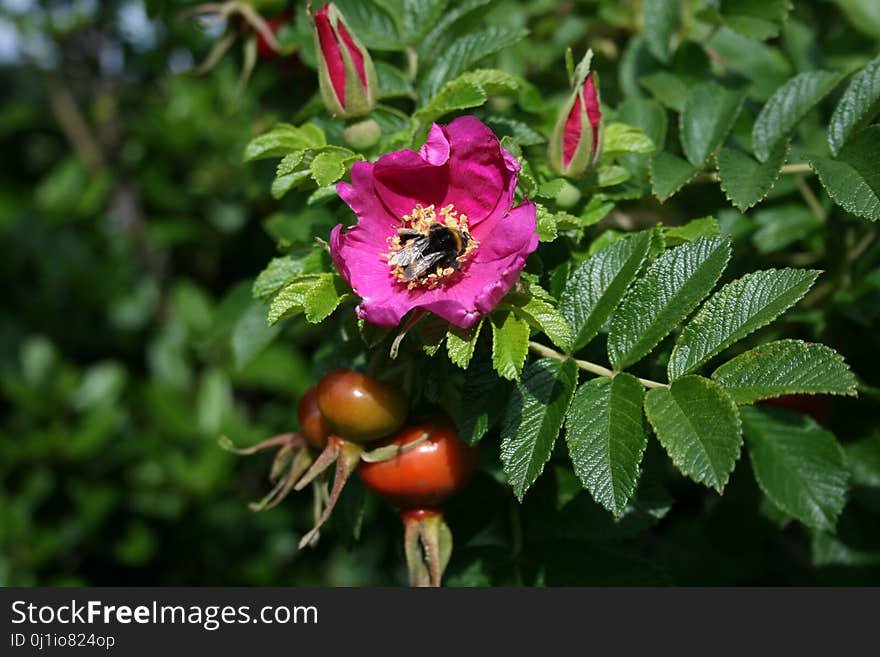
(588, 366)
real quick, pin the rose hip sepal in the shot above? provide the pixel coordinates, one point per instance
(462, 179)
(433, 465)
(346, 74)
(291, 461)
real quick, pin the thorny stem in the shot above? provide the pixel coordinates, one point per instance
(588, 366)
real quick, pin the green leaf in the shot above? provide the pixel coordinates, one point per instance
(758, 19)
(545, 317)
(596, 287)
(317, 296)
(781, 225)
(647, 115)
(460, 344)
(328, 167)
(798, 465)
(434, 40)
(661, 20)
(510, 344)
(281, 271)
(669, 173)
(606, 438)
(372, 23)
(620, 138)
(852, 179)
(670, 289)
(418, 17)
(283, 139)
(533, 418)
(708, 115)
(483, 401)
(456, 57)
(699, 427)
(858, 105)
(545, 224)
(864, 15)
(746, 181)
(692, 230)
(785, 367)
(787, 106)
(470, 89)
(737, 309)
(393, 83)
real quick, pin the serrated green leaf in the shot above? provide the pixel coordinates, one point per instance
(746, 181)
(439, 32)
(470, 89)
(699, 427)
(621, 138)
(283, 184)
(787, 106)
(483, 401)
(694, 229)
(798, 465)
(533, 418)
(669, 290)
(708, 115)
(860, 103)
(785, 367)
(758, 19)
(852, 179)
(283, 139)
(732, 313)
(545, 317)
(606, 438)
(510, 344)
(596, 287)
(418, 17)
(280, 271)
(456, 57)
(545, 224)
(327, 168)
(661, 20)
(322, 298)
(669, 173)
(317, 296)
(460, 344)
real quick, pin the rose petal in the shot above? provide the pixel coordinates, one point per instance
(479, 173)
(361, 197)
(435, 150)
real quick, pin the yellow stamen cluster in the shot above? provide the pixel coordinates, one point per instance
(421, 219)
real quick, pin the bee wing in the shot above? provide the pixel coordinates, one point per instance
(411, 251)
(418, 267)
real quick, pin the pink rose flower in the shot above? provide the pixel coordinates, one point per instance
(462, 183)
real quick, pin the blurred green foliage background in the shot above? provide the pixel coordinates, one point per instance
(130, 234)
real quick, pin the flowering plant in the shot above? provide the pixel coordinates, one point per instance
(460, 178)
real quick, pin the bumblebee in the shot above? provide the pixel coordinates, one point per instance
(421, 254)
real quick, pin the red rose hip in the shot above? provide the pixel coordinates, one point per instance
(358, 407)
(426, 475)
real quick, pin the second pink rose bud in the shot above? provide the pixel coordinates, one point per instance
(577, 138)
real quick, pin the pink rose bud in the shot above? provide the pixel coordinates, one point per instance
(577, 138)
(345, 70)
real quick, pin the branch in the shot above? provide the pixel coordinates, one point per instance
(588, 366)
